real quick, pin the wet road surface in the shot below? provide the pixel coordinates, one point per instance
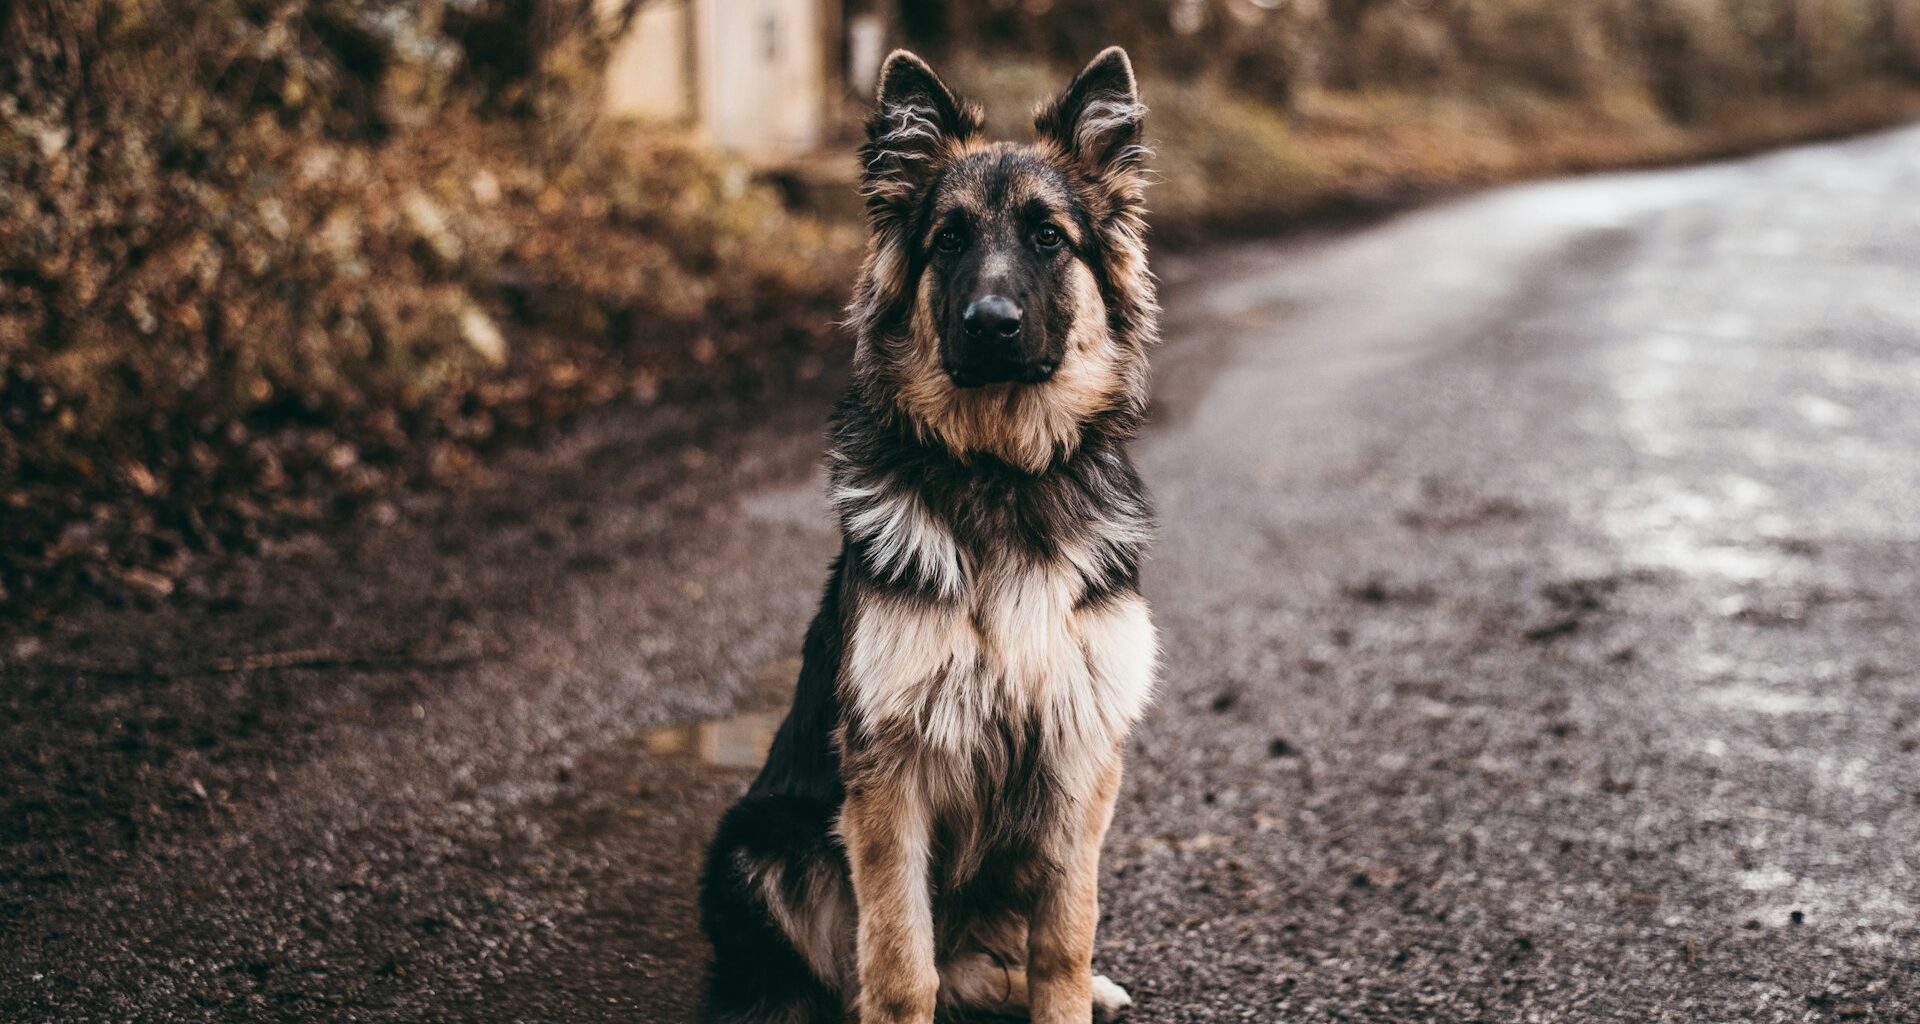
(1540, 588)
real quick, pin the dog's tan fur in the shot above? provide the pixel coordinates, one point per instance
(924, 678)
(1012, 642)
(885, 825)
(1026, 425)
(989, 647)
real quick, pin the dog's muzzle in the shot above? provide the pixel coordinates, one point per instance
(993, 347)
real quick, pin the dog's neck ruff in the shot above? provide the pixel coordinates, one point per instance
(988, 598)
(928, 524)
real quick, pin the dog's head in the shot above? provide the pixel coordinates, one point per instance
(1005, 303)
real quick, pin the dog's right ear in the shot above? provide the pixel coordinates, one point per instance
(911, 132)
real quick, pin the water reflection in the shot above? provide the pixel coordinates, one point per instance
(1767, 702)
(737, 742)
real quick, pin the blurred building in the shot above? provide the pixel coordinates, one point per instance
(758, 77)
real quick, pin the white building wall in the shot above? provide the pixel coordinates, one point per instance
(761, 73)
(647, 74)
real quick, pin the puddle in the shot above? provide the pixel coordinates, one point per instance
(801, 504)
(1822, 412)
(1765, 880)
(1702, 532)
(1766, 702)
(737, 742)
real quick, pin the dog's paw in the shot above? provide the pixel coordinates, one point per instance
(1110, 1001)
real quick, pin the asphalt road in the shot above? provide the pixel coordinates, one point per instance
(1540, 586)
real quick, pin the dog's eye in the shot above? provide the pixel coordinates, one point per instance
(1048, 237)
(950, 240)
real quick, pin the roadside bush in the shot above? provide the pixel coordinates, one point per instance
(1400, 46)
(1542, 45)
(1698, 60)
(1833, 42)
(1697, 55)
(261, 263)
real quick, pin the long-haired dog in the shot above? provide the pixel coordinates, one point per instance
(926, 831)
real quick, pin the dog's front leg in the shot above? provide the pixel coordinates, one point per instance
(1060, 934)
(884, 824)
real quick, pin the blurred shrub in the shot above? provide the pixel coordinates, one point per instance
(1219, 157)
(1698, 59)
(1267, 109)
(1400, 46)
(1544, 45)
(262, 260)
(1695, 54)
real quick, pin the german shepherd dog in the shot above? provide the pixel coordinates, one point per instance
(926, 832)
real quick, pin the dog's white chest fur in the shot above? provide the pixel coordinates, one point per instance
(1011, 645)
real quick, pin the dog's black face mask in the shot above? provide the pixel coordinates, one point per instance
(1001, 241)
(992, 243)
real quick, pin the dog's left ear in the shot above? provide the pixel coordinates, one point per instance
(1098, 120)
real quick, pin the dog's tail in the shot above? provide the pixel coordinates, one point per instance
(771, 866)
(767, 1008)
(759, 979)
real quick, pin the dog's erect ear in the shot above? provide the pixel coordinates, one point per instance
(1097, 121)
(911, 132)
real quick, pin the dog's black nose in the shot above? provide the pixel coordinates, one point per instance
(992, 317)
